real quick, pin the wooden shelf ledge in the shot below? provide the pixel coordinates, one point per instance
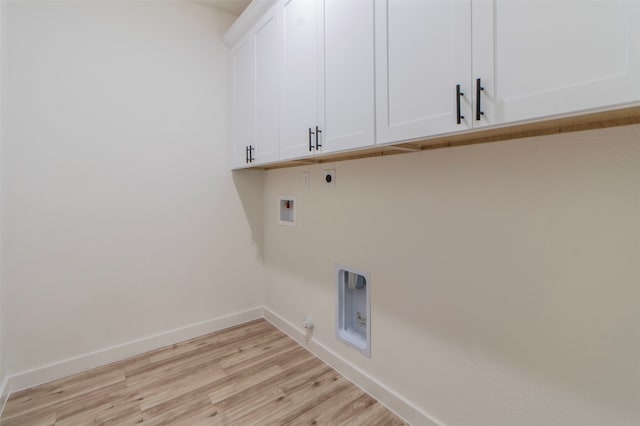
(598, 120)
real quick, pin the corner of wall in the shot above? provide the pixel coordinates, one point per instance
(386, 396)
(87, 361)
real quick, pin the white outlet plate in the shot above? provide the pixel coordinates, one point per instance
(329, 177)
(305, 179)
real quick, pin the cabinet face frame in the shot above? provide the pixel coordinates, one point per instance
(346, 29)
(253, 134)
(418, 66)
(267, 87)
(302, 68)
(348, 116)
(571, 73)
(242, 100)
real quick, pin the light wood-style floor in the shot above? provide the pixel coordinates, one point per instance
(251, 374)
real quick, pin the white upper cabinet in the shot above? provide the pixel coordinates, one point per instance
(328, 83)
(513, 60)
(301, 68)
(349, 114)
(544, 58)
(267, 88)
(323, 76)
(255, 62)
(423, 54)
(242, 101)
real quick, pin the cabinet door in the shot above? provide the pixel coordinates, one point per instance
(423, 50)
(242, 101)
(545, 58)
(300, 75)
(349, 79)
(267, 88)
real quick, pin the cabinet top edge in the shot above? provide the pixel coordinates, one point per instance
(248, 18)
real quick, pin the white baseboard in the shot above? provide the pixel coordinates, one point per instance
(396, 403)
(106, 356)
(4, 394)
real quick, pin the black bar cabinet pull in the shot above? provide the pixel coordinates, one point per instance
(318, 144)
(479, 89)
(458, 94)
(251, 149)
(310, 143)
(246, 154)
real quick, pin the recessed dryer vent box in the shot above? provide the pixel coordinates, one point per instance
(287, 210)
(354, 309)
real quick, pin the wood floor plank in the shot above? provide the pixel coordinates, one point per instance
(249, 355)
(252, 377)
(251, 374)
(204, 357)
(113, 410)
(377, 415)
(32, 418)
(200, 407)
(162, 391)
(243, 402)
(328, 412)
(306, 397)
(227, 340)
(61, 390)
(349, 411)
(254, 401)
(127, 413)
(89, 405)
(327, 401)
(233, 385)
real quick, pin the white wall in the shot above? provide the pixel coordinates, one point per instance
(121, 217)
(2, 96)
(504, 277)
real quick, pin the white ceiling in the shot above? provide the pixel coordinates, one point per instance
(234, 7)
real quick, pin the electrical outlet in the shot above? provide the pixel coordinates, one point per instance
(305, 179)
(329, 177)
